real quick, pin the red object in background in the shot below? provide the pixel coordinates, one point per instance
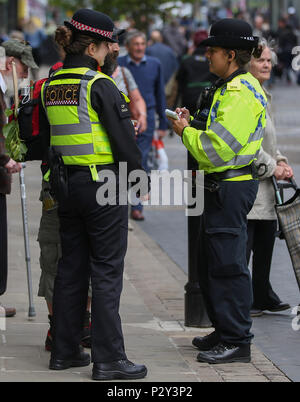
(36, 93)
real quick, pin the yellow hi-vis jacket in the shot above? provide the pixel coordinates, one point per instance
(75, 129)
(234, 130)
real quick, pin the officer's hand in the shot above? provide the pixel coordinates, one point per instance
(13, 166)
(183, 113)
(178, 125)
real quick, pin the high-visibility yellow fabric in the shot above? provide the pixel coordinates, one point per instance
(76, 132)
(234, 130)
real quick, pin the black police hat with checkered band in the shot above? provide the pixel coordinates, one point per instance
(92, 23)
(231, 33)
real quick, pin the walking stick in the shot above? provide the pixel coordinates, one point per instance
(31, 310)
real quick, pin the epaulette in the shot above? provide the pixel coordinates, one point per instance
(234, 85)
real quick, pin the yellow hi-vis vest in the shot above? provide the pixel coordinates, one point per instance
(234, 130)
(76, 132)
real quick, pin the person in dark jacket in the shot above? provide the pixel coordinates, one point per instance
(193, 74)
(164, 53)
(147, 72)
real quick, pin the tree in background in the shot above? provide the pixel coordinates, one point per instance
(140, 12)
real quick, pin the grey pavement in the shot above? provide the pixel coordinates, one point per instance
(152, 311)
(152, 306)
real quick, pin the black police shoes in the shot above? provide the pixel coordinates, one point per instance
(206, 342)
(121, 369)
(80, 360)
(223, 353)
(256, 312)
(278, 307)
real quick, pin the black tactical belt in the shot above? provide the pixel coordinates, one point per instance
(76, 168)
(231, 173)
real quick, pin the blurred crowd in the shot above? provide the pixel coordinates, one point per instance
(181, 36)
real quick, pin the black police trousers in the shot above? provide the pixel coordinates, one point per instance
(224, 276)
(94, 243)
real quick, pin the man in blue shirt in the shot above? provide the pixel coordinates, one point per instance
(148, 75)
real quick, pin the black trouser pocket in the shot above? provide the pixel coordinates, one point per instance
(225, 251)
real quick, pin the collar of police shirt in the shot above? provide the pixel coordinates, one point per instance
(74, 61)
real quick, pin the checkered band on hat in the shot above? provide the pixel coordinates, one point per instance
(83, 27)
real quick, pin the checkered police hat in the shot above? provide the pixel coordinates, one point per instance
(92, 23)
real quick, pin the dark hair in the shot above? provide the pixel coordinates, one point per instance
(243, 57)
(74, 42)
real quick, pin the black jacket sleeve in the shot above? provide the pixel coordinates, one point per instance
(114, 114)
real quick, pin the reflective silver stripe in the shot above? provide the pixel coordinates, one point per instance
(210, 150)
(75, 150)
(237, 160)
(241, 160)
(84, 125)
(257, 135)
(226, 136)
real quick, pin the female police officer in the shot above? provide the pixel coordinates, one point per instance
(225, 150)
(90, 129)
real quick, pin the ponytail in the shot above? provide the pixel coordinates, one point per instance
(74, 42)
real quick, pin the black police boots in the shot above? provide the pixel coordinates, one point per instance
(206, 342)
(223, 353)
(121, 369)
(86, 333)
(81, 359)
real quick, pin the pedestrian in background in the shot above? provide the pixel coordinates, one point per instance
(35, 37)
(164, 54)
(174, 38)
(262, 220)
(194, 75)
(286, 40)
(147, 72)
(126, 83)
(20, 54)
(169, 63)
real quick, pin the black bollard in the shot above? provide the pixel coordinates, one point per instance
(195, 314)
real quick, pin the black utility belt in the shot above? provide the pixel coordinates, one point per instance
(78, 168)
(232, 173)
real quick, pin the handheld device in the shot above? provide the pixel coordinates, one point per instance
(171, 114)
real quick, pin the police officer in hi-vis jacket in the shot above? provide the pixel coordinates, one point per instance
(225, 148)
(90, 131)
